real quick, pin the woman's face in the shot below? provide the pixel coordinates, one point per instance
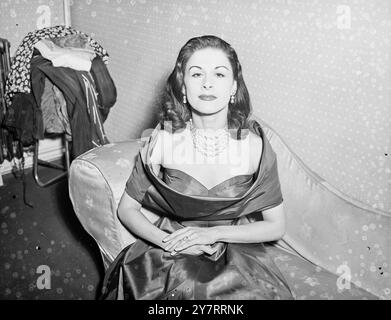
(208, 81)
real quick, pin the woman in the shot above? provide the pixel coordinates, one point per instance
(210, 175)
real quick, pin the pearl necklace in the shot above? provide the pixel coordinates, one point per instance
(208, 142)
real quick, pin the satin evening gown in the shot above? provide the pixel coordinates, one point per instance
(235, 271)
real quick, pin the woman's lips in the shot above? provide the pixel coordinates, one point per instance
(206, 97)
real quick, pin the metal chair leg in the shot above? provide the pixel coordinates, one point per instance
(37, 161)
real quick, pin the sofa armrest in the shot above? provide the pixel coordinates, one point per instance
(97, 181)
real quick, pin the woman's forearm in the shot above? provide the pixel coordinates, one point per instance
(260, 231)
(139, 225)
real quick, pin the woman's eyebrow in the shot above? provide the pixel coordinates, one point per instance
(222, 67)
(194, 67)
(198, 67)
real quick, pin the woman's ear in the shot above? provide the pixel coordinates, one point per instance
(183, 90)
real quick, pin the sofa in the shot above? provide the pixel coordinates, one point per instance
(334, 247)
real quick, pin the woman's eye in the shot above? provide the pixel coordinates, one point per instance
(196, 75)
(220, 75)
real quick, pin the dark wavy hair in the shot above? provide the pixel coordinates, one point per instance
(175, 113)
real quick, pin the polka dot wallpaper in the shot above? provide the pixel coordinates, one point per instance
(19, 17)
(318, 72)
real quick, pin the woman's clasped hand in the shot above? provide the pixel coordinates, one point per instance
(191, 240)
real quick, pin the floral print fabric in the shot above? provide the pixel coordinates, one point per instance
(19, 77)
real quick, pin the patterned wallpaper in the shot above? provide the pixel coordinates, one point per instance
(19, 17)
(318, 71)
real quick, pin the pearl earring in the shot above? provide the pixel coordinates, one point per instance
(232, 98)
(184, 99)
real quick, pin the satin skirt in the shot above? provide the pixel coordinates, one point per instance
(143, 271)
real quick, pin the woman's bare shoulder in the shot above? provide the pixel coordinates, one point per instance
(158, 148)
(165, 142)
(256, 145)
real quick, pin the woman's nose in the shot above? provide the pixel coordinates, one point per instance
(207, 84)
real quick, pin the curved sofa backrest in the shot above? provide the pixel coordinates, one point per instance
(329, 228)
